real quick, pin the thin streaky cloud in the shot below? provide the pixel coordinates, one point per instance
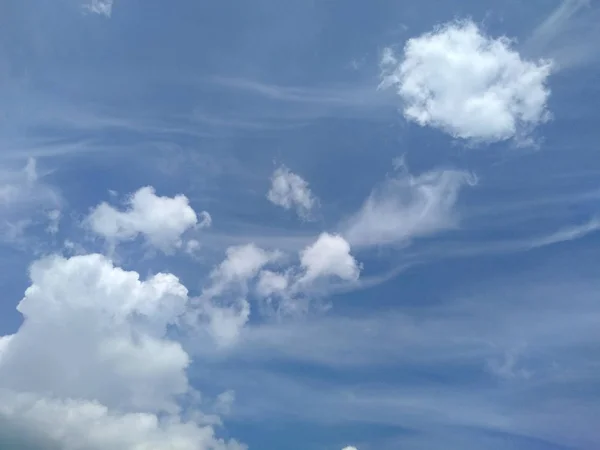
(567, 35)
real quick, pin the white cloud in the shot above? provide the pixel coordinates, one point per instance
(111, 345)
(86, 424)
(290, 292)
(407, 206)
(328, 256)
(289, 190)
(469, 85)
(160, 220)
(102, 7)
(92, 366)
(241, 264)
(223, 304)
(350, 448)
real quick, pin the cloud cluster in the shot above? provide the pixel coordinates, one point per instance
(223, 305)
(270, 277)
(97, 362)
(161, 221)
(290, 190)
(93, 364)
(470, 85)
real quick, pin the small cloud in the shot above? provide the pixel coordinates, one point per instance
(467, 84)
(160, 220)
(291, 291)
(289, 190)
(101, 7)
(223, 306)
(329, 256)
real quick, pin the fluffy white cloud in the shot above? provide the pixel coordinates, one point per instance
(241, 263)
(110, 345)
(407, 206)
(223, 304)
(328, 256)
(291, 291)
(92, 366)
(72, 424)
(102, 7)
(289, 190)
(470, 85)
(160, 220)
(350, 448)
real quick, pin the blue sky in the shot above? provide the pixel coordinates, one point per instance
(302, 225)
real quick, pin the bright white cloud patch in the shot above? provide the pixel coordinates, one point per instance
(469, 85)
(102, 7)
(160, 220)
(407, 206)
(329, 256)
(92, 366)
(110, 344)
(289, 190)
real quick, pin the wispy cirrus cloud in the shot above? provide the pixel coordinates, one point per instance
(405, 206)
(567, 35)
(523, 340)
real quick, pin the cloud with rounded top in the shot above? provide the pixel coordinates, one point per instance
(468, 84)
(160, 220)
(290, 190)
(92, 365)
